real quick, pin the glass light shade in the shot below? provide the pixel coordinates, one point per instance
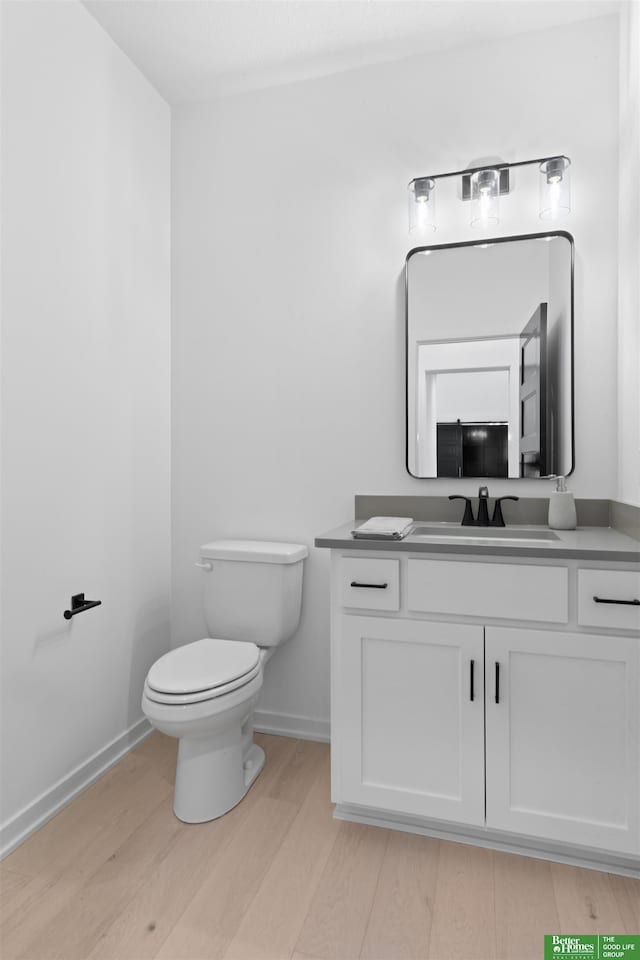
(555, 188)
(422, 206)
(485, 204)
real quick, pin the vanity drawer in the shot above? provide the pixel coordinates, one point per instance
(369, 584)
(501, 590)
(619, 586)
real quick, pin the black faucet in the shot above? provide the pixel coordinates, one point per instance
(483, 513)
(482, 520)
(468, 519)
(498, 519)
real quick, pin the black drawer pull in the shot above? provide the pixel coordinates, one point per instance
(497, 682)
(627, 603)
(373, 586)
(471, 666)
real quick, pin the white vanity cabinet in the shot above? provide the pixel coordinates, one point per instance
(488, 699)
(562, 736)
(411, 706)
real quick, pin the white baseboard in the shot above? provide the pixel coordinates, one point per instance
(587, 857)
(36, 814)
(290, 725)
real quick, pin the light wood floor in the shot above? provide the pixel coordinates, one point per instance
(116, 877)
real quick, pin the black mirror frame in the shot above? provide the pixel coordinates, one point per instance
(476, 243)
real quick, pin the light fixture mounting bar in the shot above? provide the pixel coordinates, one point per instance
(504, 182)
(502, 167)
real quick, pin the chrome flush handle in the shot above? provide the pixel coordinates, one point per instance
(205, 565)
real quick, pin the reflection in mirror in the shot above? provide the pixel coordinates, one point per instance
(490, 358)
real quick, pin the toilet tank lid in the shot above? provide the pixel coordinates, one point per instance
(256, 551)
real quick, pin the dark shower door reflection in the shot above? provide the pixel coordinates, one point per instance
(472, 449)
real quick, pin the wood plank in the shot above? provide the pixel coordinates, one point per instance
(143, 924)
(161, 753)
(213, 916)
(62, 856)
(400, 921)
(525, 906)
(87, 831)
(72, 932)
(69, 849)
(585, 900)
(42, 902)
(297, 777)
(337, 919)
(627, 894)
(21, 898)
(116, 877)
(463, 925)
(12, 890)
(272, 922)
(142, 927)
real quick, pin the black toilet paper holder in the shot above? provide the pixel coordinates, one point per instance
(79, 605)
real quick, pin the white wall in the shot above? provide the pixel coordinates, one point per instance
(629, 262)
(85, 403)
(469, 395)
(478, 291)
(289, 240)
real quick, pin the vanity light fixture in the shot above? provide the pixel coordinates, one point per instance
(555, 188)
(485, 204)
(484, 185)
(422, 205)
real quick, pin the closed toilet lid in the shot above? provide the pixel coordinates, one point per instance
(203, 665)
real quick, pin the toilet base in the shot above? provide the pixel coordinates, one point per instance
(217, 758)
(253, 764)
(213, 776)
(211, 779)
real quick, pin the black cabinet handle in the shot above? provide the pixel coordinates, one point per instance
(79, 605)
(497, 682)
(471, 666)
(628, 603)
(372, 586)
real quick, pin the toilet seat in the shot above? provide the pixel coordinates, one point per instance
(202, 670)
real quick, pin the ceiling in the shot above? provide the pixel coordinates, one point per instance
(200, 49)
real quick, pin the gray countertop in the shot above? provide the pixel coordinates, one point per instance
(585, 543)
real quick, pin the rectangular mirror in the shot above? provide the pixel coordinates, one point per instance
(490, 358)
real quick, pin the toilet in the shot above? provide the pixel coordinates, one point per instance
(204, 693)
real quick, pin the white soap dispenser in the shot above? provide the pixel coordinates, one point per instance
(562, 507)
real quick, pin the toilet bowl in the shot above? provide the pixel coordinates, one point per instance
(198, 694)
(204, 693)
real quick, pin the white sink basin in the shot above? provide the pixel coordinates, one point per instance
(473, 534)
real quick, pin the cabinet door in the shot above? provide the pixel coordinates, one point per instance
(411, 737)
(562, 740)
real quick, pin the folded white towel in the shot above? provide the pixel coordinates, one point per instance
(391, 528)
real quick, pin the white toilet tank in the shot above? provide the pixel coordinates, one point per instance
(253, 590)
